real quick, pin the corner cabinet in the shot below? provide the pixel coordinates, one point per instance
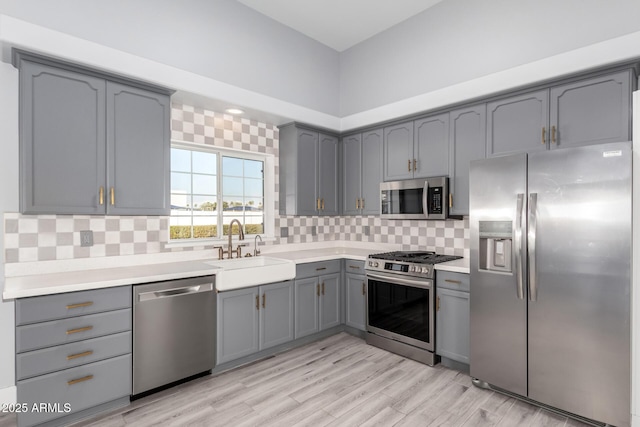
(90, 145)
(362, 173)
(452, 316)
(254, 319)
(309, 181)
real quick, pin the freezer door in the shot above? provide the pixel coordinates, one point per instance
(579, 308)
(498, 338)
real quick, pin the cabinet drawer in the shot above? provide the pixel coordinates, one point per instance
(312, 269)
(81, 387)
(66, 356)
(60, 306)
(454, 281)
(353, 266)
(47, 334)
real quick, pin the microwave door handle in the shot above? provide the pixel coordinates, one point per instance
(425, 196)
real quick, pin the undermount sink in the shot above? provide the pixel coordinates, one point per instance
(243, 272)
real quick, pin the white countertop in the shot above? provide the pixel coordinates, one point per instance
(99, 274)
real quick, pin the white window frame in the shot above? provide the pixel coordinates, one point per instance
(269, 192)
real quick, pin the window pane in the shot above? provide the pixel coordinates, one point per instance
(253, 204)
(180, 160)
(253, 169)
(204, 225)
(231, 166)
(232, 187)
(253, 187)
(180, 227)
(205, 203)
(180, 203)
(204, 184)
(180, 183)
(204, 162)
(233, 204)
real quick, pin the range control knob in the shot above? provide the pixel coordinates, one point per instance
(375, 264)
(425, 270)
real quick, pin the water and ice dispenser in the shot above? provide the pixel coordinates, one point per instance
(496, 243)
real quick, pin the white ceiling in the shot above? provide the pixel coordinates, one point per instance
(339, 24)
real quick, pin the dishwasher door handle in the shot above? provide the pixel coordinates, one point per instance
(188, 290)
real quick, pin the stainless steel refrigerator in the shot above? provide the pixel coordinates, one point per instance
(551, 278)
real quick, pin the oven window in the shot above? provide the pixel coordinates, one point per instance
(401, 202)
(400, 309)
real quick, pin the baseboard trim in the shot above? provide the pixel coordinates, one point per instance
(9, 395)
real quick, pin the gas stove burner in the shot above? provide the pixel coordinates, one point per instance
(418, 257)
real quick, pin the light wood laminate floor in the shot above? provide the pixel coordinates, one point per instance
(338, 381)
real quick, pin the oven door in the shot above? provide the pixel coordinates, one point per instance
(401, 308)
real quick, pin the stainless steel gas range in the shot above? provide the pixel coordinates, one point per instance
(401, 303)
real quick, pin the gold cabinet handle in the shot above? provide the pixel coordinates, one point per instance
(361, 203)
(354, 266)
(553, 134)
(264, 300)
(80, 380)
(79, 305)
(322, 204)
(78, 330)
(321, 268)
(318, 204)
(450, 200)
(457, 282)
(257, 302)
(75, 356)
(438, 304)
(101, 195)
(409, 165)
(363, 288)
(414, 164)
(113, 196)
(318, 289)
(322, 288)
(544, 135)
(357, 203)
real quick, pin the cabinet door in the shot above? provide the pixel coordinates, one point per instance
(238, 323)
(518, 124)
(352, 174)
(307, 292)
(371, 172)
(431, 146)
(452, 325)
(398, 152)
(592, 111)
(307, 183)
(356, 301)
(467, 143)
(138, 147)
(329, 192)
(276, 314)
(329, 301)
(62, 149)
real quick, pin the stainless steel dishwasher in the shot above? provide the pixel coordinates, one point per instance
(174, 331)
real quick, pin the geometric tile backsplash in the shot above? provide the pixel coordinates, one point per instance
(56, 237)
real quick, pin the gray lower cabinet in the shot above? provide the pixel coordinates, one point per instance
(74, 349)
(317, 297)
(452, 316)
(591, 111)
(309, 180)
(466, 143)
(89, 145)
(356, 300)
(362, 173)
(253, 319)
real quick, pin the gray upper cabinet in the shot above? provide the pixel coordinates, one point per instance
(431, 146)
(90, 145)
(138, 147)
(398, 152)
(309, 165)
(62, 150)
(467, 142)
(592, 111)
(518, 124)
(362, 173)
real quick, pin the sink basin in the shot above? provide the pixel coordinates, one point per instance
(243, 272)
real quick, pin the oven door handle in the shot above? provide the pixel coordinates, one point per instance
(424, 284)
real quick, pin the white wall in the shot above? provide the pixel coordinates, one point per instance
(220, 39)
(8, 202)
(460, 40)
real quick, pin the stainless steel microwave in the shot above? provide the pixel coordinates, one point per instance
(423, 198)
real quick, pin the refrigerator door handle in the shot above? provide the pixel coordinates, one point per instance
(519, 248)
(531, 244)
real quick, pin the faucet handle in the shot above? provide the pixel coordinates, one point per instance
(239, 249)
(220, 251)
